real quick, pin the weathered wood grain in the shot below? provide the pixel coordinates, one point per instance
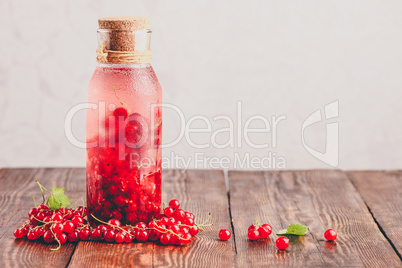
(318, 199)
(17, 186)
(200, 192)
(382, 193)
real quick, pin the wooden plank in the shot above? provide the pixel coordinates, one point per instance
(318, 199)
(15, 201)
(200, 192)
(382, 193)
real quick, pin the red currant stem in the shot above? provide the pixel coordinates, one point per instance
(58, 241)
(122, 103)
(41, 189)
(257, 223)
(83, 205)
(83, 226)
(36, 205)
(25, 224)
(115, 226)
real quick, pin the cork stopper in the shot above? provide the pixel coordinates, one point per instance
(124, 23)
(121, 35)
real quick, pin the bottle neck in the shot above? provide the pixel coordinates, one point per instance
(124, 47)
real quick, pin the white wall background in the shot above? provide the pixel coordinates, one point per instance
(277, 57)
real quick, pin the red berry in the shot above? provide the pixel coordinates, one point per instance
(264, 232)
(73, 236)
(18, 233)
(57, 217)
(330, 235)
(57, 227)
(109, 235)
(179, 214)
(224, 234)
(174, 203)
(48, 236)
(194, 230)
(41, 216)
(164, 220)
(142, 236)
(188, 221)
(33, 211)
(25, 230)
(47, 219)
(84, 233)
(68, 226)
(114, 222)
(120, 113)
(185, 239)
(152, 224)
(154, 235)
(175, 228)
(282, 242)
(62, 238)
(268, 227)
(39, 232)
(102, 227)
(140, 225)
(120, 237)
(253, 234)
(168, 211)
(252, 227)
(96, 234)
(77, 220)
(43, 207)
(128, 238)
(32, 236)
(165, 239)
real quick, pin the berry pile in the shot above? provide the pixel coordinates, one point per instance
(257, 230)
(175, 227)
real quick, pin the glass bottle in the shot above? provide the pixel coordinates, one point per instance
(124, 125)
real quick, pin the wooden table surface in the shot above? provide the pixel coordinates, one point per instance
(364, 207)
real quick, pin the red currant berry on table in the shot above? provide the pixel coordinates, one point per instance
(18, 233)
(96, 234)
(32, 236)
(128, 238)
(165, 239)
(84, 233)
(168, 211)
(48, 237)
(268, 227)
(114, 222)
(142, 236)
(62, 238)
(253, 234)
(109, 235)
(120, 237)
(73, 236)
(57, 227)
(185, 239)
(77, 220)
(174, 203)
(57, 217)
(330, 235)
(224, 234)
(194, 230)
(68, 226)
(39, 232)
(264, 231)
(282, 242)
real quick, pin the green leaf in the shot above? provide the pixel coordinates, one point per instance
(293, 229)
(58, 199)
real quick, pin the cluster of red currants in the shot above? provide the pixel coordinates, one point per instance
(54, 225)
(175, 227)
